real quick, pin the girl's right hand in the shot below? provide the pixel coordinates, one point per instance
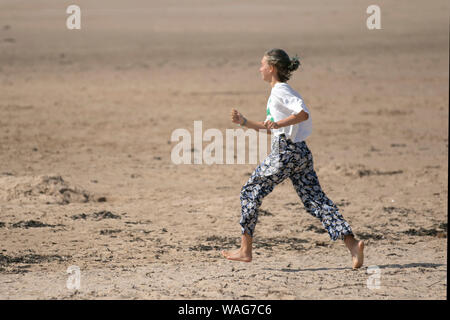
(236, 116)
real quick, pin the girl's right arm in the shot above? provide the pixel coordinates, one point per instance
(257, 125)
(238, 118)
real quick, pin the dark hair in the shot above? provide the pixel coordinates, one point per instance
(285, 65)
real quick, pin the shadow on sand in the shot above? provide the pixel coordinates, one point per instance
(397, 266)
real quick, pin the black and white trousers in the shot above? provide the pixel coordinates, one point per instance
(294, 161)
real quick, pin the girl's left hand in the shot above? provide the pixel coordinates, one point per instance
(271, 125)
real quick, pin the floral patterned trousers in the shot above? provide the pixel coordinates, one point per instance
(294, 161)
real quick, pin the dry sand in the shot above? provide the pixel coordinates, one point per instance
(86, 177)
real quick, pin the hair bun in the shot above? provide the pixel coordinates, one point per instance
(295, 63)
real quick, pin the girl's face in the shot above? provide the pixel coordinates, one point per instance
(266, 70)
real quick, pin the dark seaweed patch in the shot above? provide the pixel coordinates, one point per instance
(373, 236)
(19, 263)
(269, 243)
(219, 243)
(79, 216)
(426, 232)
(368, 172)
(223, 241)
(96, 215)
(312, 227)
(105, 215)
(202, 247)
(139, 222)
(216, 243)
(109, 231)
(33, 224)
(321, 244)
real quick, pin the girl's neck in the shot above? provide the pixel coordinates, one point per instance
(274, 82)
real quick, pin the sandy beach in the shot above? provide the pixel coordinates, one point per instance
(87, 179)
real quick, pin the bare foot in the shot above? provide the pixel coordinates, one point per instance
(357, 250)
(358, 254)
(237, 255)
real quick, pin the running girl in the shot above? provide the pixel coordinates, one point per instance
(289, 121)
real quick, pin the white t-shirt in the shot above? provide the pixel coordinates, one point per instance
(283, 102)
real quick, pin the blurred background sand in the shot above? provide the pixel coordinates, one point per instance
(86, 177)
